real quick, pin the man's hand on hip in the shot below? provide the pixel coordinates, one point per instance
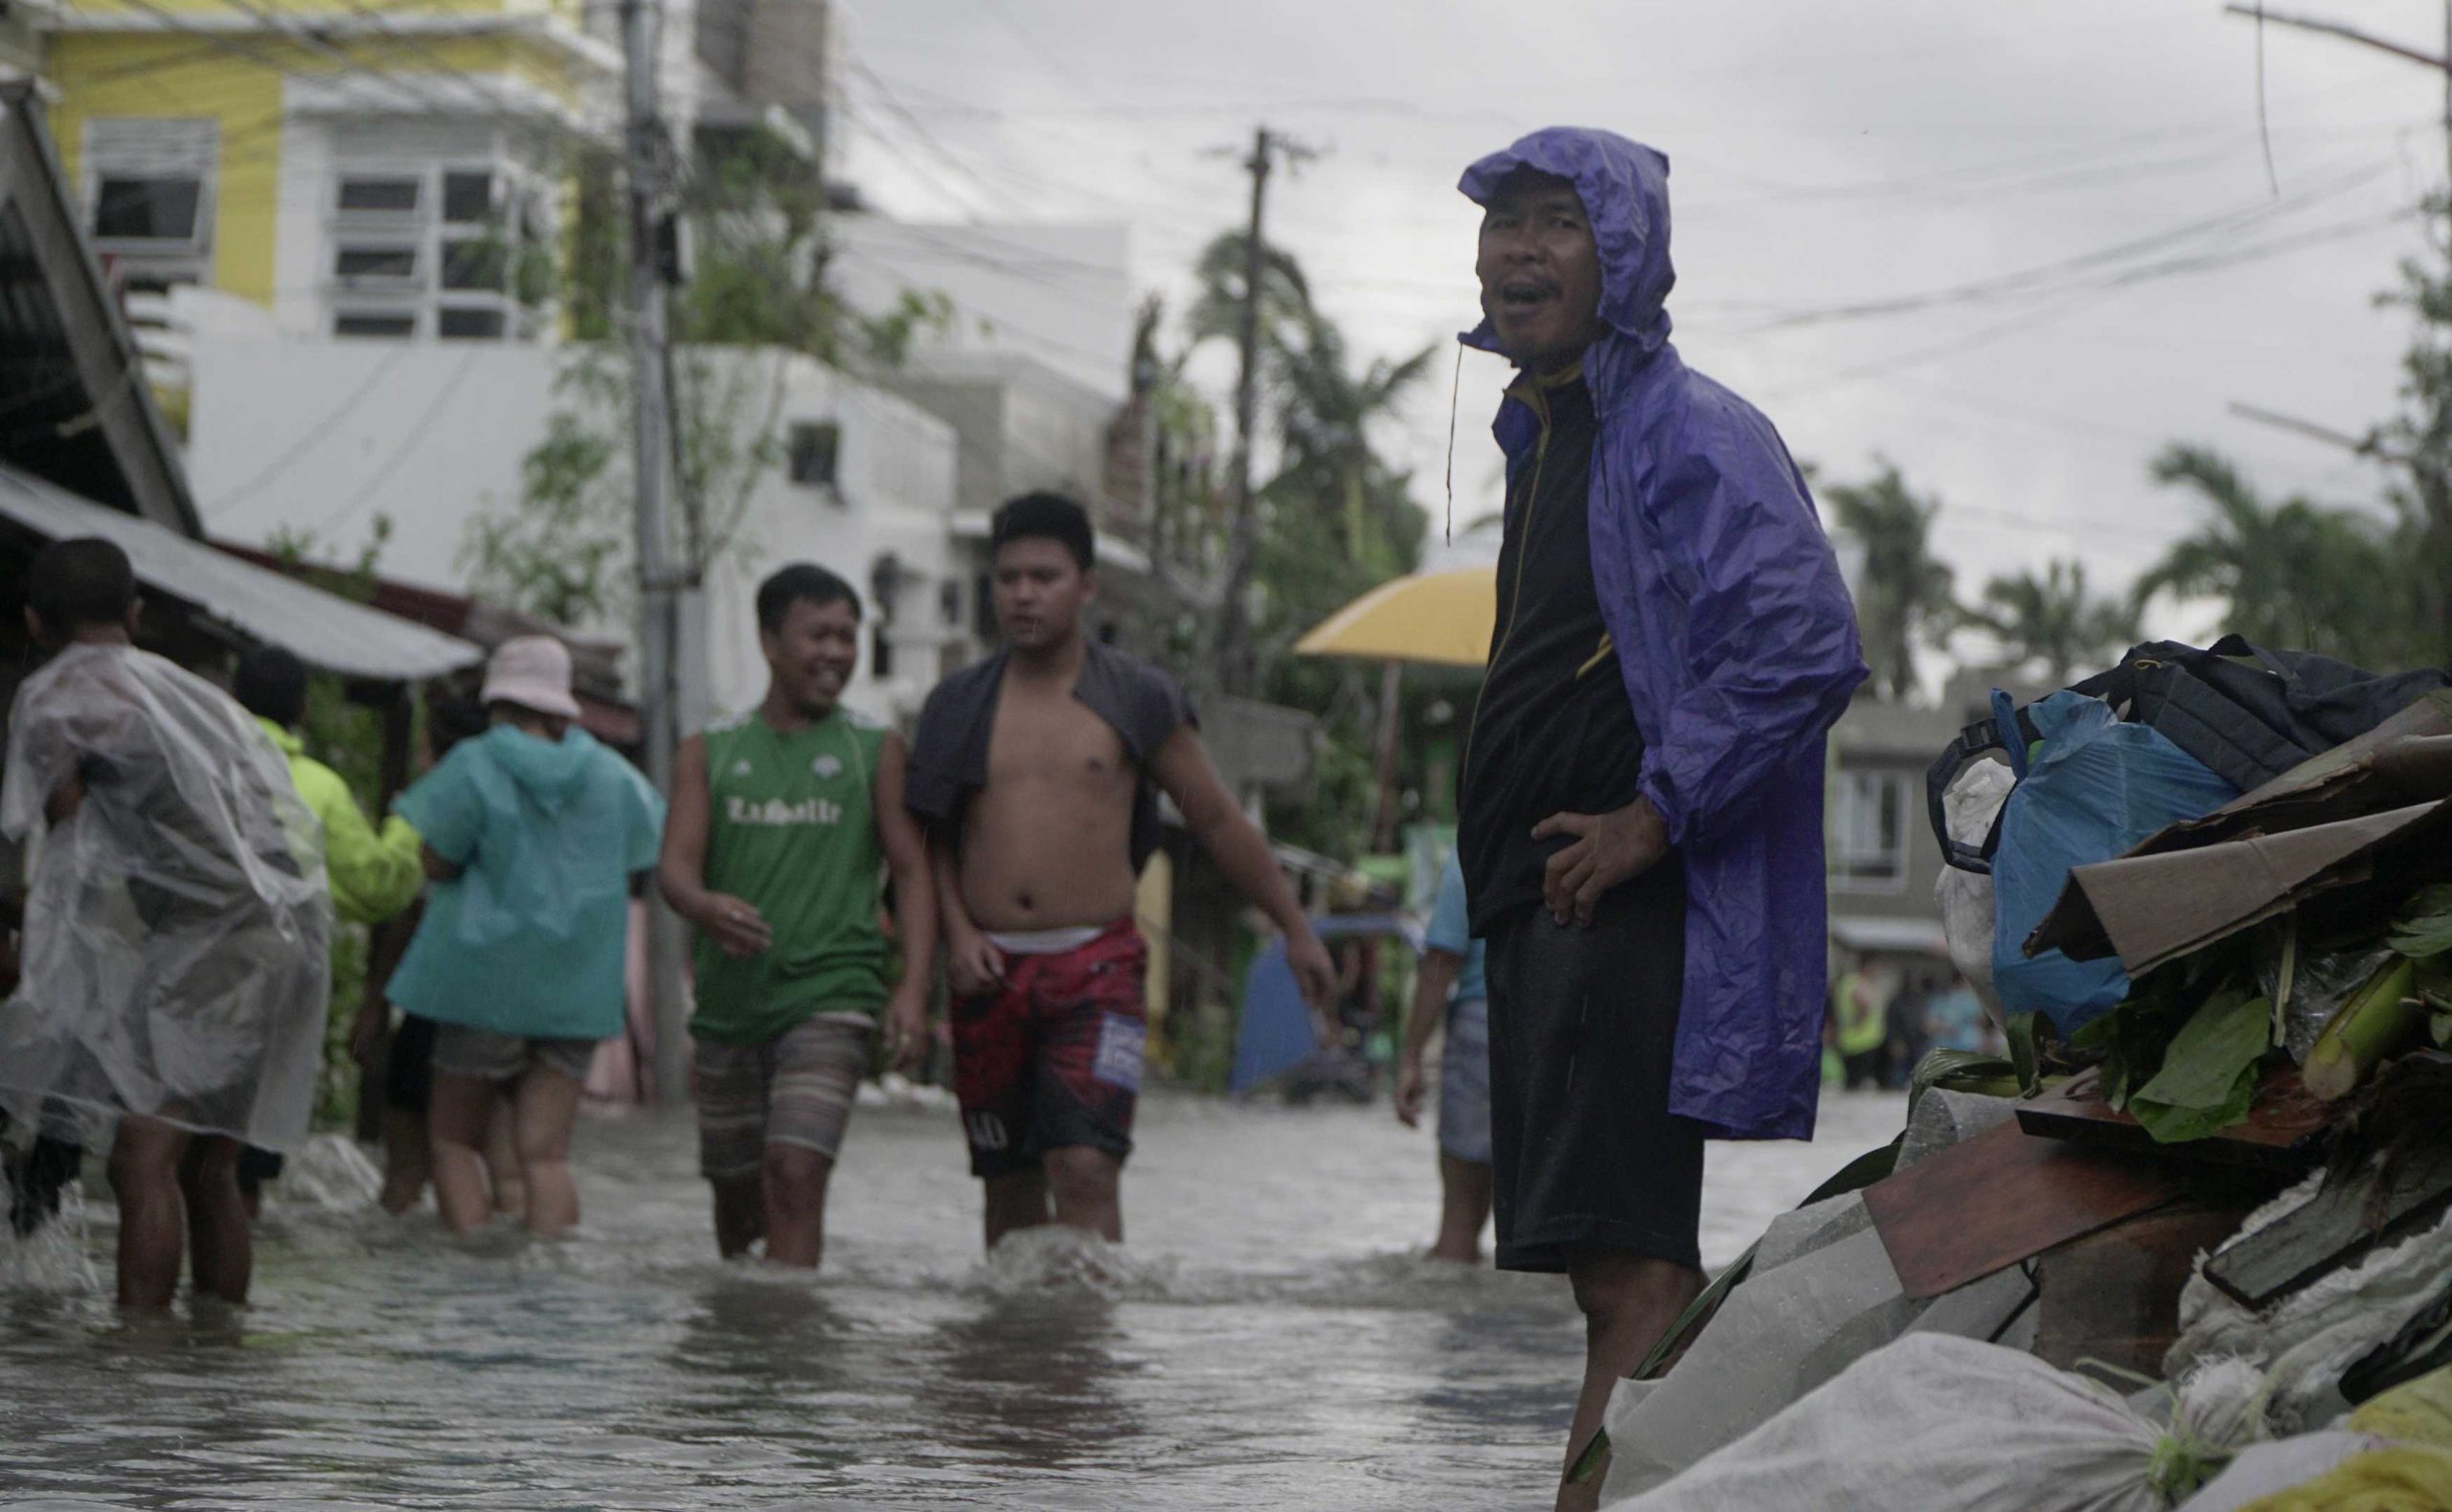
(1609, 849)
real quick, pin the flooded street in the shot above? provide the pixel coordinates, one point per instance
(1266, 1340)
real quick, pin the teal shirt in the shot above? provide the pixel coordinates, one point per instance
(531, 937)
(1451, 931)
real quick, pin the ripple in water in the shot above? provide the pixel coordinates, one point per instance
(1269, 1339)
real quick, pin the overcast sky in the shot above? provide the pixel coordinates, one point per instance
(1886, 213)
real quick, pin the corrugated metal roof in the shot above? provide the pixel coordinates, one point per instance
(323, 629)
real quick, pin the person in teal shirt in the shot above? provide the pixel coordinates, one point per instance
(1449, 990)
(532, 834)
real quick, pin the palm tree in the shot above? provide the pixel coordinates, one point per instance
(2292, 574)
(1325, 413)
(2053, 621)
(1216, 312)
(1906, 596)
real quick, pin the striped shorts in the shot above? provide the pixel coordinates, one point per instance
(796, 1089)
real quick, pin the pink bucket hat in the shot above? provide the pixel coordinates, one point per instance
(533, 671)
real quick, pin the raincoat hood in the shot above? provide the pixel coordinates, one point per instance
(1624, 189)
(549, 771)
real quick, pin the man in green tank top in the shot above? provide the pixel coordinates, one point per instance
(783, 824)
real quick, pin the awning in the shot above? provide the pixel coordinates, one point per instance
(1898, 936)
(322, 629)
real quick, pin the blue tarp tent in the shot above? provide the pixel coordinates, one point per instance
(1274, 1033)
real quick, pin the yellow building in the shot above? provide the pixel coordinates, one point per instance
(361, 169)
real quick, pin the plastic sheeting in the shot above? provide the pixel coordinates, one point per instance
(1828, 1298)
(1940, 1424)
(1964, 898)
(177, 926)
(2098, 787)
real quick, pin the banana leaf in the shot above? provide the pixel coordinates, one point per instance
(2424, 928)
(1961, 1070)
(2208, 1076)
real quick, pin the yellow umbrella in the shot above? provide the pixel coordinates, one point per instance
(1442, 618)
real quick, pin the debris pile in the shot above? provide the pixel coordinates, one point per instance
(2189, 1246)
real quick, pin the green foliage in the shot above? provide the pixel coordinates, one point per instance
(1904, 596)
(2419, 444)
(1335, 520)
(2425, 929)
(2182, 1052)
(348, 737)
(556, 554)
(2292, 574)
(564, 550)
(2053, 622)
(2207, 1077)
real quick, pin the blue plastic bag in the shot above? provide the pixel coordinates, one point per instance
(2094, 787)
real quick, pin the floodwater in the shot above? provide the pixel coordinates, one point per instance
(1267, 1338)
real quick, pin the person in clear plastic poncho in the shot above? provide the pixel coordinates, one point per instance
(177, 928)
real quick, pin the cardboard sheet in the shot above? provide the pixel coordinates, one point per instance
(2150, 908)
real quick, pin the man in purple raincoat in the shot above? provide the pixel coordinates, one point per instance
(1640, 802)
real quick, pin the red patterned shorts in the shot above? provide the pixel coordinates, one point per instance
(1052, 1058)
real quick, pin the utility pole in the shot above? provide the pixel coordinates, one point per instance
(646, 156)
(1238, 662)
(1237, 665)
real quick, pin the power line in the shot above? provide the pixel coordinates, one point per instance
(2039, 279)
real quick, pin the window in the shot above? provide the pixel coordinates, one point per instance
(131, 209)
(880, 651)
(475, 263)
(380, 195)
(815, 447)
(375, 264)
(150, 188)
(456, 324)
(394, 325)
(1869, 830)
(468, 199)
(461, 251)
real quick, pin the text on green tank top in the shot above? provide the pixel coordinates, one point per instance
(791, 829)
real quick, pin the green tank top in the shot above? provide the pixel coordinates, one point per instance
(791, 829)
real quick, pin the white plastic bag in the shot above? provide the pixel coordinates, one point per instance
(1970, 806)
(1939, 1424)
(177, 926)
(2307, 1340)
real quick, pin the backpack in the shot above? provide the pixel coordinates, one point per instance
(2246, 714)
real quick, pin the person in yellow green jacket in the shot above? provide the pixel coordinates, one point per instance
(373, 873)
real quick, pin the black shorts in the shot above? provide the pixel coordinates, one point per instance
(408, 1075)
(257, 1166)
(1583, 1026)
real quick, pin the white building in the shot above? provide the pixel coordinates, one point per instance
(313, 438)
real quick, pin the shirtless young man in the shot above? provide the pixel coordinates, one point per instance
(1036, 772)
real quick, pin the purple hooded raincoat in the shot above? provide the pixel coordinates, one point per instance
(1736, 640)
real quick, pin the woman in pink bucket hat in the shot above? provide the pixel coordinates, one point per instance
(534, 832)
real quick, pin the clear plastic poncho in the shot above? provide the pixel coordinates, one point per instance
(177, 926)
